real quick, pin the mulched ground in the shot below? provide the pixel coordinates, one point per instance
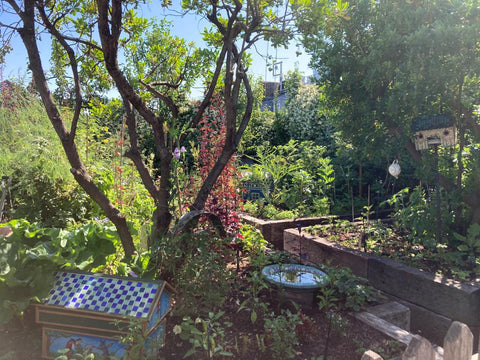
(18, 343)
(21, 340)
(349, 338)
(350, 343)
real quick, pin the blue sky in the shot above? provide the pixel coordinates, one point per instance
(188, 27)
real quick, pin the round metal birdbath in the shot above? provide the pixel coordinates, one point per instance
(295, 276)
(296, 282)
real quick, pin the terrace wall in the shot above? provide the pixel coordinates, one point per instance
(434, 301)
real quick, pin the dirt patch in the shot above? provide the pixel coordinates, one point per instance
(21, 340)
(349, 338)
(21, 343)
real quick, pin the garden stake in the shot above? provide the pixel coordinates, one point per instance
(325, 353)
(353, 204)
(299, 227)
(208, 339)
(438, 203)
(238, 258)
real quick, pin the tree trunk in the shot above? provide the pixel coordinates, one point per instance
(109, 28)
(162, 217)
(78, 170)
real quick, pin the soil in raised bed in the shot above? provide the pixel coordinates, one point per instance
(384, 240)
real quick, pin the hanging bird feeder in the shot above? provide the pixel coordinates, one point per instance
(394, 169)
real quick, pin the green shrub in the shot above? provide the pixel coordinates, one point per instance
(27, 136)
(344, 291)
(32, 254)
(295, 177)
(415, 214)
(206, 336)
(54, 202)
(129, 196)
(281, 334)
(469, 248)
(196, 265)
(42, 188)
(253, 302)
(267, 211)
(251, 239)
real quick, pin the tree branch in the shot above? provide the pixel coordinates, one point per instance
(109, 30)
(209, 93)
(166, 99)
(134, 154)
(73, 66)
(110, 50)
(248, 111)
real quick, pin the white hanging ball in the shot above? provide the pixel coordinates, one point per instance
(394, 169)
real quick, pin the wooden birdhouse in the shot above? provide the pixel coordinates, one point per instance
(91, 312)
(434, 130)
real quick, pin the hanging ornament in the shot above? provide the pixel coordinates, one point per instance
(394, 169)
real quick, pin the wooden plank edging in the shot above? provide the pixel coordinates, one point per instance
(385, 327)
(391, 330)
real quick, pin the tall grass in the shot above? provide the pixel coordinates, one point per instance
(27, 138)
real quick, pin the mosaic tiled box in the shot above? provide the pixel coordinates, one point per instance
(90, 312)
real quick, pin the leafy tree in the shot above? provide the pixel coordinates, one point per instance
(307, 116)
(89, 39)
(384, 63)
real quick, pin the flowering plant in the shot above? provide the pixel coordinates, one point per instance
(178, 152)
(303, 112)
(225, 197)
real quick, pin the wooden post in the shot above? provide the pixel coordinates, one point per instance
(371, 355)
(458, 342)
(419, 349)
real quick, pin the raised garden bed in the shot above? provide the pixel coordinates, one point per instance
(434, 301)
(272, 230)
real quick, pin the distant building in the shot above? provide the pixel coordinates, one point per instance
(274, 96)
